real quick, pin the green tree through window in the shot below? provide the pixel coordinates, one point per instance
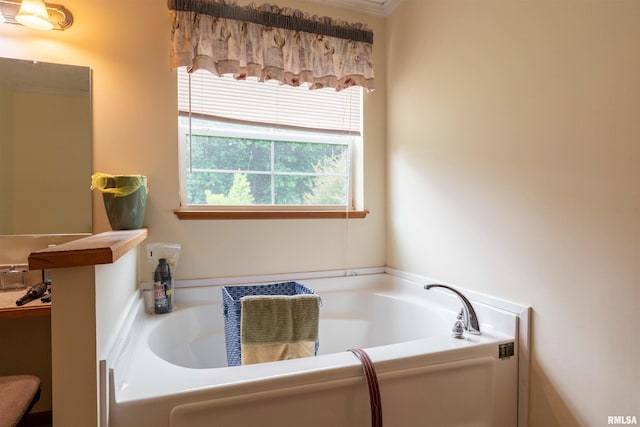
(242, 171)
(239, 193)
(329, 186)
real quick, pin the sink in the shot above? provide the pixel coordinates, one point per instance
(13, 277)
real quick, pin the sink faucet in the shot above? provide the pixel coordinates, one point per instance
(469, 314)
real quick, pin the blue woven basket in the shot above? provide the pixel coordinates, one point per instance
(232, 310)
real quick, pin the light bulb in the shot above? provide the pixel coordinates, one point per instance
(33, 14)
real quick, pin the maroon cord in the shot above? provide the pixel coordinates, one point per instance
(372, 383)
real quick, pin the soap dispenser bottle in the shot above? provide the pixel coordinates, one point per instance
(162, 288)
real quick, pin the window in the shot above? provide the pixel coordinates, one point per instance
(249, 145)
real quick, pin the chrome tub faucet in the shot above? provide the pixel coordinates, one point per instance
(469, 317)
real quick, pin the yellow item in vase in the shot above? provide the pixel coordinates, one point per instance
(118, 185)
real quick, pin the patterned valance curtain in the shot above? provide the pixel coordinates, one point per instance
(269, 42)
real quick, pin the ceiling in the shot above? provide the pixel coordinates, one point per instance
(372, 7)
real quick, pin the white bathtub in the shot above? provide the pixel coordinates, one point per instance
(172, 370)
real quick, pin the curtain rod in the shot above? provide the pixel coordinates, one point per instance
(278, 20)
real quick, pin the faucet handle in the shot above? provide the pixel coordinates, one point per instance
(458, 330)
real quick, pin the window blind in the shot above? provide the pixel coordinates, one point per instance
(270, 103)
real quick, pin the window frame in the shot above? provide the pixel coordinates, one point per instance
(352, 209)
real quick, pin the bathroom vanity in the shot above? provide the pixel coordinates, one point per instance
(9, 309)
(15, 250)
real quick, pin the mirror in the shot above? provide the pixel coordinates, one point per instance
(45, 148)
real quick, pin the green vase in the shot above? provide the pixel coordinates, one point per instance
(126, 201)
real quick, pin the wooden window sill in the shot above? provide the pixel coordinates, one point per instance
(200, 214)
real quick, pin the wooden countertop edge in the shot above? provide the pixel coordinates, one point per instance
(25, 311)
(103, 248)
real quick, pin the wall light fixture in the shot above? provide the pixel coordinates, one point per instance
(35, 14)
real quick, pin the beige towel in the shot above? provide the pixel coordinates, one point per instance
(278, 327)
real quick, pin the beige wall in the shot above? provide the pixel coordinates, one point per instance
(6, 156)
(513, 170)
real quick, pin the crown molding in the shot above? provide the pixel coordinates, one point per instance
(390, 6)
